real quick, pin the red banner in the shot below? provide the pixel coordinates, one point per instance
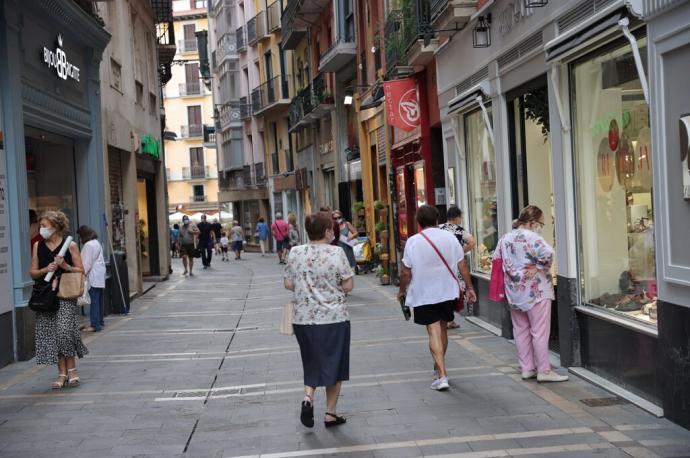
(402, 104)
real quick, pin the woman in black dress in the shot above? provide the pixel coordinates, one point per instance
(57, 333)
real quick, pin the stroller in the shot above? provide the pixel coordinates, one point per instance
(363, 252)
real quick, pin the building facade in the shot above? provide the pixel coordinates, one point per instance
(51, 142)
(555, 109)
(132, 133)
(191, 163)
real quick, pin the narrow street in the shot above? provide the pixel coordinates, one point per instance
(198, 369)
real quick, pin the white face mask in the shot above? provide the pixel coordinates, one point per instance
(46, 232)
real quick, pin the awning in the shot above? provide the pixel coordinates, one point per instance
(469, 97)
(561, 45)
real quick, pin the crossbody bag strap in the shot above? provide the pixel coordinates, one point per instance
(445, 263)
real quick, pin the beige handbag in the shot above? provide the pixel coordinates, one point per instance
(71, 285)
(286, 319)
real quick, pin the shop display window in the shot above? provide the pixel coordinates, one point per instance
(614, 179)
(481, 177)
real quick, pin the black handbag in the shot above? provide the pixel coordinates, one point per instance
(44, 298)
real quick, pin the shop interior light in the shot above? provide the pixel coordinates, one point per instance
(348, 99)
(481, 34)
(536, 3)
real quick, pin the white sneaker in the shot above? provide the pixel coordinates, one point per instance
(551, 377)
(440, 384)
(526, 375)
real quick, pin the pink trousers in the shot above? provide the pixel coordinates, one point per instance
(531, 330)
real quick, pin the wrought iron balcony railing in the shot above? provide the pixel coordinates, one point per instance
(402, 30)
(198, 198)
(291, 32)
(273, 16)
(190, 88)
(256, 28)
(245, 109)
(196, 172)
(269, 93)
(191, 131)
(241, 39)
(187, 45)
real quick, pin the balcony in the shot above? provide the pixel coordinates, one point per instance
(271, 94)
(273, 16)
(256, 28)
(187, 45)
(245, 109)
(190, 88)
(298, 110)
(229, 113)
(191, 131)
(227, 47)
(294, 30)
(449, 14)
(311, 103)
(342, 53)
(197, 172)
(198, 198)
(323, 101)
(409, 39)
(240, 39)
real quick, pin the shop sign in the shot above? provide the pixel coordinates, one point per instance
(512, 15)
(5, 283)
(57, 59)
(402, 104)
(327, 147)
(150, 146)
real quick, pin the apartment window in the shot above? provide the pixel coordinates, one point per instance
(140, 93)
(192, 85)
(197, 4)
(189, 43)
(153, 105)
(115, 75)
(198, 193)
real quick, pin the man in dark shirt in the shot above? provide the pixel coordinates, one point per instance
(217, 229)
(206, 240)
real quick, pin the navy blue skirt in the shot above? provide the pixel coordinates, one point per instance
(325, 350)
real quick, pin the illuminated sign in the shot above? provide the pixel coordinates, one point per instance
(57, 59)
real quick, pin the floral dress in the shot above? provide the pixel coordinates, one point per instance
(317, 271)
(519, 250)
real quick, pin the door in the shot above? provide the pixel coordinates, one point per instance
(192, 78)
(196, 162)
(270, 86)
(194, 120)
(530, 160)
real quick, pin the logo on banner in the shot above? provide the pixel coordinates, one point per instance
(57, 59)
(402, 104)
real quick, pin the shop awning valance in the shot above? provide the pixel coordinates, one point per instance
(469, 97)
(559, 46)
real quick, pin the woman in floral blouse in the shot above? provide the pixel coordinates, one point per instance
(527, 260)
(320, 276)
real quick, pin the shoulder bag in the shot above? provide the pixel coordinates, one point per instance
(71, 285)
(461, 299)
(497, 285)
(44, 298)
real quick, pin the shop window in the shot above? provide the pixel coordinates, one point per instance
(481, 177)
(614, 178)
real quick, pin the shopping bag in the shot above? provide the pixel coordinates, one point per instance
(497, 286)
(286, 319)
(85, 298)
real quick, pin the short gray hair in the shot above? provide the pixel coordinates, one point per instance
(279, 215)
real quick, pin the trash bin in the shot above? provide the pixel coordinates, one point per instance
(118, 283)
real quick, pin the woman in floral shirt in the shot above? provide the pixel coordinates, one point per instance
(320, 276)
(527, 259)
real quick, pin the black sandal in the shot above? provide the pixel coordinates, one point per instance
(307, 414)
(338, 420)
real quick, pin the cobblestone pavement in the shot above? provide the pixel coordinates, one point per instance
(198, 369)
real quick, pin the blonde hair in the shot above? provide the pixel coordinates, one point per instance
(292, 219)
(529, 214)
(57, 219)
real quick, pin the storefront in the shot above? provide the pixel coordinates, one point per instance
(51, 121)
(556, 113)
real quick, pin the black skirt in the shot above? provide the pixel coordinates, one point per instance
(325, 350)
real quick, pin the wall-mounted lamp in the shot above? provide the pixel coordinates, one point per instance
(481, 34)
(536, 3)
(348, 99)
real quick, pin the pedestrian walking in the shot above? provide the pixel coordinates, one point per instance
(453, 225)
(237, 237)
(94, 268)
(262, 233)
(224, 244)
(526, 260)
(281, 229)
(175, 240)
(293, 231)
(217, 229)
(206, 241)
(188, 234)
(429, 284)
(347, 236)
(320, 277)
(57, 333)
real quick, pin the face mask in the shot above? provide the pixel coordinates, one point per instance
(340, 220)
(185, 223)
(46, 232)
(537, 229)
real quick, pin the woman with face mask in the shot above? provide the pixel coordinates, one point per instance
(347, 235)
(57, 333)
(527, 260)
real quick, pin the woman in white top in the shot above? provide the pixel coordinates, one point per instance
(94, 268)
(429, 284)
(527, 260)
(320, 277)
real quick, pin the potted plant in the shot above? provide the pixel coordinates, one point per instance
(382, 209)
(378, 271)
(379, 205)
(358, 208)
(380, 227)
